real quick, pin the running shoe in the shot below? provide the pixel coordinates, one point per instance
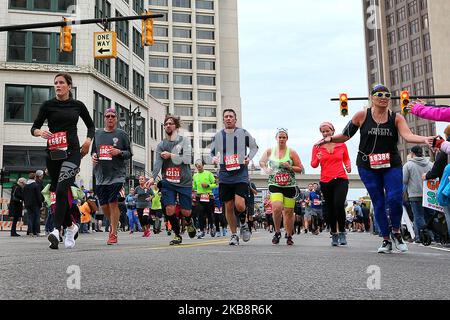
(386, 247)
(245, 233)
(191, 231)
(69, 241)
(176, 241)
(76, 234)
(212, 232)
(276, 238)
(342, 239)
(334, 239)
(398, 242)
(234, 241)
(201, 235)
(289, 241)
(218, 234)
(224, 232)
(112, 239)
(53, 237)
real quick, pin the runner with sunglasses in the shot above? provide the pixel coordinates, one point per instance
(282, 163)
(379, 163)
(173, 159)
(64, 153)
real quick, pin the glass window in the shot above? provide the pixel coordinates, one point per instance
(101, 103)
(182, 63)
(181, 3)
(16, 45)
(160, 31)
(15, 103)
(208, 127)
(138, 84)
(183, 95)
(181, 33)
(182, 79)
(160, 47)
(160, 93)
(163, 18)
(182, 48)
(41, 47)
(138, 6)
(206, 80)
(181, 17)
(63, 5)
(18, 4)
(122, 29)
(205, 34)
(204, 4)
(156, 77)
(159, 62)
(207, 111)
(187, 125)
(103, 10)
(44, 5)
(103, 66)
(202, 49)
(206, 95)
(202, 19)
(162, 3)
(138, 49)
(183, 110)
(122, 73)
(206, 64)
(38, 96)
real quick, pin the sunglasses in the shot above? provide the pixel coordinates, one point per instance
(110, 116)
(386, 95)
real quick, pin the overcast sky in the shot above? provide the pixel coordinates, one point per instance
(294, 56)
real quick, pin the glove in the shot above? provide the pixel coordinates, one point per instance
(437, 142)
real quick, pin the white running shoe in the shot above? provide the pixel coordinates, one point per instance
(69, 241)
(234, 241)
(245, 233)
(53, 237)
(398, 242)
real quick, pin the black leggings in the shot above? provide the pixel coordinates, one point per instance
(335, 194)
(143, 220)
(62, 174)
(205, 210)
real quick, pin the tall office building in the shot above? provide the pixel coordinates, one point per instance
(407, 48)
(29, 60)
(194, 64)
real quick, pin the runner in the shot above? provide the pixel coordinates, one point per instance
(110, 149)
(231, 144)
(282, 163)
(173, 158)
(63, 151)
(157, 209)
(379, 163)
(252, 192)
(332, 158)
(202, 185)
(268, 214)
(133, 219)
(219, 214)
(144, 195)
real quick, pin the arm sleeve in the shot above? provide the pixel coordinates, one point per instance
(347, 161)
(251, 143)
(158, 161)
(88, 121)
(94, 146)
(213, 152)
(405, 174)
(126, 153)
(446, 147)
(212, 181)
(438, 166)
(40, 119)
(314, 161)
(441, 113)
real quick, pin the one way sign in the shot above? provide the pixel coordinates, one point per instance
(105, 45)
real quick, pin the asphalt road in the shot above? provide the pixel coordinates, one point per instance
(148, 268)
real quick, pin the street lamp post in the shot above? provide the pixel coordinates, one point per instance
(134, 118)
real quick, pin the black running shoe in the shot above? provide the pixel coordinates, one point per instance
(276, 238)
(386, 247)
(176, 240)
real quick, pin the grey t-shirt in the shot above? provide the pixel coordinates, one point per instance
(110, 170)
(141, 194)
(175, 170)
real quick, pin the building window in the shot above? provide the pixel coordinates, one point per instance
(122, 29)
(182, 63)
(208, 127)
(205, 34)
(101, 103)
(161, 3)
(202, 19)
(126, 114)
(391, 37)
(415, 47)
(425, 23)
(164, 18)
(206, 143)
(390, 21)
(187, 125)
(103, 10)
(181, 17)
(159, 62)
(404, 52)
(423, 4)
(160, 93)
(417, 67)
(389, 4)
(181, 33)
(412, 8)
(394, 77)
(401, 14)
(185, 111)
(22, 102)
(206, 80)
(138, 6)
(206, 95)
(138, 49)
(419, 88)
(48, 5)
(405, 73)
(430, 86)
(402, 32)
(183, 95)
(182, 78)
(414, 27)
(181, 3)
(203, 64)
(202, 49)
(428, 64)
(426, 42)
(182, 48)
(207, 111)
(139, 133)
(122, 73)
(103, 66)
(161, 31)
(156, 77)
(204, 4)
(38, 47)
(138, 84)
(160, 47)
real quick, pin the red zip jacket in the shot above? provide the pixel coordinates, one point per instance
(332, 164)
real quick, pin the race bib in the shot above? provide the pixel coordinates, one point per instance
(146, 212)
(173, 174)
(204, 197)
(52, 198)
(58, 141)
(282, 179)
(105, 152)
(217, 210)
(380, 161)
(232, 162)
(317, 202)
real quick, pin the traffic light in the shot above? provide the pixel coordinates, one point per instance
(147, 31)
(404, 101)
(343, 100)
(65, 42)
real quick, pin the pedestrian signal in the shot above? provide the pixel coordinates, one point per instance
(343, 100)
(404, 101)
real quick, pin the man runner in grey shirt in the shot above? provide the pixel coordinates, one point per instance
(173, 159)
(110, 149)
(229, 149)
